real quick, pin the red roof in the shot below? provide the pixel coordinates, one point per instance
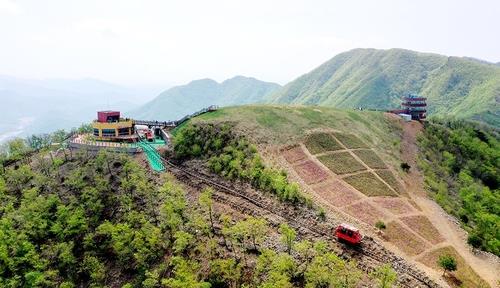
(102, 116)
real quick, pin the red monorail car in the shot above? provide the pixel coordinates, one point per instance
(348, 233)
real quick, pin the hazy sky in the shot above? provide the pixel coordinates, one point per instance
(172, 42)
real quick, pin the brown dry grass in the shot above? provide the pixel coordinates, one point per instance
(365, 212)
(336, 193)
(310, 172)
(422, 226)
(321, 142)
(350, 140)
(389, 178)
(294, 154)
(404, 239)
(370, 158)
(341, 163)
(368, 184)
(394, 205)
(464, 273)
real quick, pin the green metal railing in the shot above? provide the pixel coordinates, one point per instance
(152, 155)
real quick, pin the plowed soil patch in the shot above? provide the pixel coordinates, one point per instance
(364, 212)
(294, 154)
(406, 240)
(336, 193)
(394, 205)
(422, 226)
(310, 172)
(464, 273)
(341, 163)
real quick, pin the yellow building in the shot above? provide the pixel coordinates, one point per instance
(109, 126)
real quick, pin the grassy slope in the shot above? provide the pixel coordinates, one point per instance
(285, 125)
(378, 78)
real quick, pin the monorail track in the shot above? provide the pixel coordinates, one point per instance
(408, 276)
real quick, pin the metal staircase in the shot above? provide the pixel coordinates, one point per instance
(152, 155)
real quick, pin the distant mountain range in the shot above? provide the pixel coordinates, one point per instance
(370, 78)
(179, 101)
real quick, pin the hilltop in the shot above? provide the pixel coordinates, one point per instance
(179, 101)
(350, 163)
(376, 79)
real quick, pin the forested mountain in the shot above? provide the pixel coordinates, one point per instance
(178, 101)
(370, 78)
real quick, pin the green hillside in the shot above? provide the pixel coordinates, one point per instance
(178, 101)
(277, 126)
(377, 79)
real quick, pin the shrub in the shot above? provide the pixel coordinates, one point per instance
(380, 225)
(321, 214)
(405, 167)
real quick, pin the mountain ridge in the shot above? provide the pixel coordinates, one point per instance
(178, 101)
(376, 79)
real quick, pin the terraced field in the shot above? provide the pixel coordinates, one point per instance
(395, 205)
(370, 158)
(311, 172)
(424, 228)
(348, 175)
(341, 163)
(405, 239)
(294, 154)
(368, 184)
(389, 178)
(321, 142)
(350, 141)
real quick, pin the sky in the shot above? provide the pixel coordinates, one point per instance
(170, 42)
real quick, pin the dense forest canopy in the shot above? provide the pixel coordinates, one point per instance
(461, 163)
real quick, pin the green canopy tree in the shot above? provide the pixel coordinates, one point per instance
(288, 236)
(448, 263)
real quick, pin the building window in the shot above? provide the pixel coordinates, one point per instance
(108, 133)
(124, 131)
(96, 132)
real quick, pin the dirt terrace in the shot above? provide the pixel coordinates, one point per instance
(368, 194)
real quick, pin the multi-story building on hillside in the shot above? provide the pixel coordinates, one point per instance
(415, 106)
